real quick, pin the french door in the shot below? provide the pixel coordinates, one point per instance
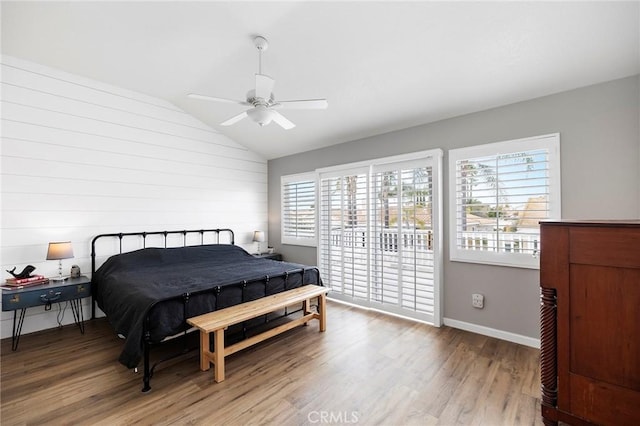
(379, 228)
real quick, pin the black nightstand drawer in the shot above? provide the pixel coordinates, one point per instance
(41, 295)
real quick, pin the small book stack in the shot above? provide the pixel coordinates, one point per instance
(24, 282)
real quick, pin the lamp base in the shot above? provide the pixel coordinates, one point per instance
(60, 277)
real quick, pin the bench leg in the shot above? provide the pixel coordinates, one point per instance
(322, 310)
(306, 310)
(218, 355)
(204, 349)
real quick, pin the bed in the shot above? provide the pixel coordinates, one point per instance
(148, 293)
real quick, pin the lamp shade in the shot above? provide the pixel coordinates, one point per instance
(60, 250)
(258, 236)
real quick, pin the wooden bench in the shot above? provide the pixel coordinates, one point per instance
(218, 321)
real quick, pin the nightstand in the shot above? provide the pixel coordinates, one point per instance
(72, 290)
(272, 256)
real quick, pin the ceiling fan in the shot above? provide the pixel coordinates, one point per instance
(261, 99)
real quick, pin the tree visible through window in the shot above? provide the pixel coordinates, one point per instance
(500, 193)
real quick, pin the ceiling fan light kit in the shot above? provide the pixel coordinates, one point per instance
(262, 100)
(261, 115)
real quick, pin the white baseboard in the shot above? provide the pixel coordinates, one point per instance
(467, 326)
(492, 332)
(367, 308)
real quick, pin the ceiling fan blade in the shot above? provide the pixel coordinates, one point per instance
(264, 86)
(211, 98)
(303, 104)
(282, 120)
(234, 119)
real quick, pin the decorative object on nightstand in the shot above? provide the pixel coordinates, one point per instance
(75, 271)
(58, 251)
(258, 237)
(26, 272)
(24, 278)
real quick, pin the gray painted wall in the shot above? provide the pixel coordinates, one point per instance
(599, 130)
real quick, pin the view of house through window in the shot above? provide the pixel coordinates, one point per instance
(499, 194)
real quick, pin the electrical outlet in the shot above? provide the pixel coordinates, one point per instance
(477, 300)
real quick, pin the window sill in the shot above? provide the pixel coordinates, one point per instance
(524, 262)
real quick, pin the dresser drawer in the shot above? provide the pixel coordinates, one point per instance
(605, 246)
(42, 295)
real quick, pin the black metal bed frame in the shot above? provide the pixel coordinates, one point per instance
(184, 298)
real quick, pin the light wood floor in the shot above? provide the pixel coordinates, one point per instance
(367, 368)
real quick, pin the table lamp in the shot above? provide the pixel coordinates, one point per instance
(58, 251)
(258, 236)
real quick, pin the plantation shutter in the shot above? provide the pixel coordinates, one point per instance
(402, 259)
(344, 237)
(298, 210)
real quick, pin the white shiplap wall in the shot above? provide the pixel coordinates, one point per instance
(81, 158)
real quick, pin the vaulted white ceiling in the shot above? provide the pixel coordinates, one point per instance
(381, 65)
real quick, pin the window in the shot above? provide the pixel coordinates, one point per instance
(498, 194)
(299, 209)
(379, 234)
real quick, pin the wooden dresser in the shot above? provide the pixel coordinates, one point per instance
(590, 322)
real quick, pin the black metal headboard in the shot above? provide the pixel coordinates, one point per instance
(165, 234)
